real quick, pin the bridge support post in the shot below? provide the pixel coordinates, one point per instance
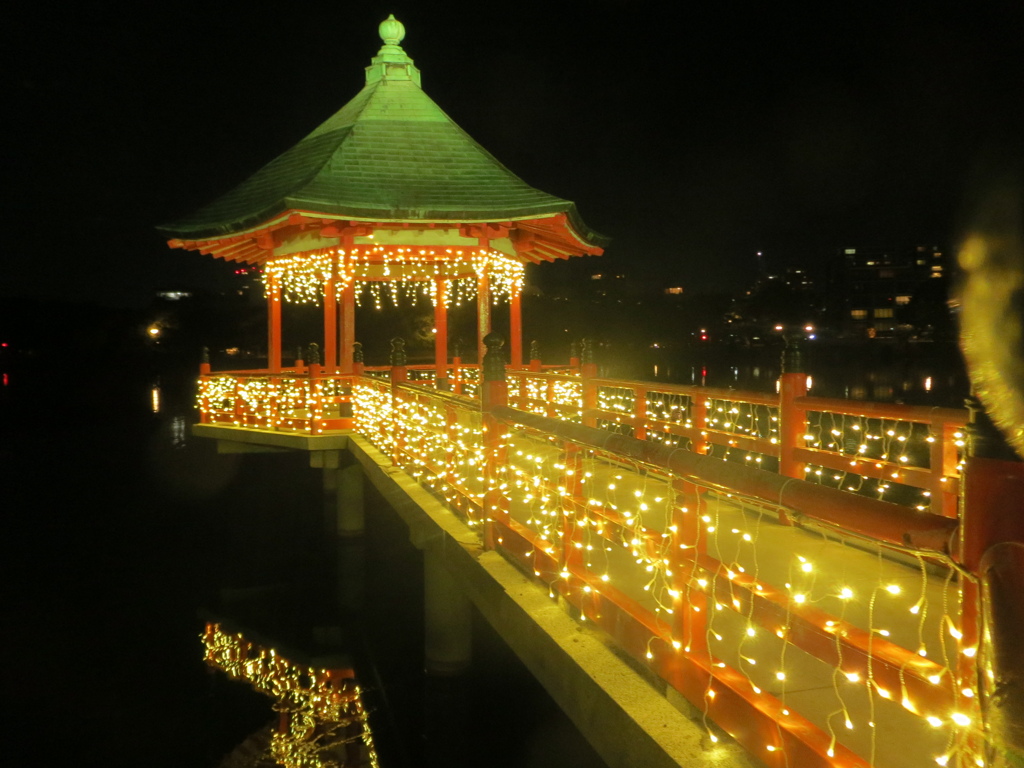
(343, 523)
(448, 640)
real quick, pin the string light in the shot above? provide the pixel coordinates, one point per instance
(609, 535)
(396, 275)
(324, 708)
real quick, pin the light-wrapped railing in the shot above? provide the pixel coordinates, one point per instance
(808, 650)
(291, 400)
(817, 627)
(907, 454)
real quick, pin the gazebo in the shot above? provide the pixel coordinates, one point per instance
(388, 195)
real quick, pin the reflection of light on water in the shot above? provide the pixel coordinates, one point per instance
(178, 431)
(810, 382)
(655, 371)
(6, 380)
(154, 399)
(928, 384)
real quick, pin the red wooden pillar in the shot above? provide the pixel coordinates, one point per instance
(331, 318)
(441, 334)
(348, 307)
(483, 304)
(515, 325)
(273, 324)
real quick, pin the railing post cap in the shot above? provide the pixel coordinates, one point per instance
(494, 361)
(398, 357)
(793, 358)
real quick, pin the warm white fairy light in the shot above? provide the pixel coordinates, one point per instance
(324, 708)
(394, 274)
(604, 520)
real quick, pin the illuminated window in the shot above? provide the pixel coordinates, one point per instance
(674, 291)
(858, 314)
(902, 300)
(598, 276)
(883, 312)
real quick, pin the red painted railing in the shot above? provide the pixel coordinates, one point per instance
(805, 620)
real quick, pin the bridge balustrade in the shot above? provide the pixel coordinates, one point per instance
(814, 626)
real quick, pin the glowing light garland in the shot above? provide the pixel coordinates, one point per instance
(608, 534)
(324, 707)
(394, 275)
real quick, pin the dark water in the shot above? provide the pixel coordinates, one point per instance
(924, 373)
(123, 533)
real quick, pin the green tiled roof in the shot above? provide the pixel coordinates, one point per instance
(389, 154)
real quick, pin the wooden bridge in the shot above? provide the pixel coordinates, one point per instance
(798, 575)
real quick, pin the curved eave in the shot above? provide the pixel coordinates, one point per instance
(547, 237)
(283, 208)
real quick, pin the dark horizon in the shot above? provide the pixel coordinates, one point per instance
(694, 138)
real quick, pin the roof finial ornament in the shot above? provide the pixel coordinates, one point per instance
(391, 30)
(391, 64)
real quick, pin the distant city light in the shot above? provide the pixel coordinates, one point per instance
(153, 330)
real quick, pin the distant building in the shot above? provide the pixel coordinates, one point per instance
(881, 291)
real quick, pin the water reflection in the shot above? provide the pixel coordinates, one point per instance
(936, 379)
(154, 399)
(179, 432)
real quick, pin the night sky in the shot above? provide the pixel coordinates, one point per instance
(693, 135)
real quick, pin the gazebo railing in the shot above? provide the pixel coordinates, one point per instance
(588, 483)
(835, 642)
